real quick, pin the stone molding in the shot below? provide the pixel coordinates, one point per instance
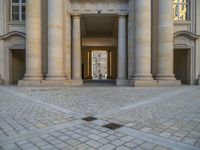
(187, 34)
(13, 33)
(99, 6)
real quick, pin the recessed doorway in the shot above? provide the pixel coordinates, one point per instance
(182, 68)
(17, 65)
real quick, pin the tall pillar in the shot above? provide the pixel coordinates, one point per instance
(121, 73)
(55, 40)
(142, 72)
(76, 50)
(33, 40)
(33, 43)
(165, 42)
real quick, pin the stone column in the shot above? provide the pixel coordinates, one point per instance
(142, 72)
(121, 74)
(33, 42)
(76, 50)
(55, 40)
(165, 41)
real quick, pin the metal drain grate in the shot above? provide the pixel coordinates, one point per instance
(112, 126)
(89, 118)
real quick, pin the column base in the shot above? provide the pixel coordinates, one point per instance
(33, 78)
(51, 76)
(169, 82)
(54, 78)
(29, 80)
(121, 82)
(142, 83)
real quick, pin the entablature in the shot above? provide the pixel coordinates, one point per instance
(99, 6)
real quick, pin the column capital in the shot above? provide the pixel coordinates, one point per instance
(122, 14)
(76, 14)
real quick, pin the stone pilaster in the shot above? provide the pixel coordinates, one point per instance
(142, 72)
(55, 40)
(122, 70)
(76, 50)
(33, 74)
(165, 43)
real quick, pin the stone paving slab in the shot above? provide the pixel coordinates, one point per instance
(50, 118)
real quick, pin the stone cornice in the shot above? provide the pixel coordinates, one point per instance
(13, 33)
(188, 34)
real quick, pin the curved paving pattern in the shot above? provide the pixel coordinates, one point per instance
(50, 118)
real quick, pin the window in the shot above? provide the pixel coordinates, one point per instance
(181, 10)
(18, 10)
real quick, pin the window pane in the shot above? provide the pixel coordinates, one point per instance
(23, 9)
(23, 16)
(23, 1)
(181, 10)
(15, 1)
(15, 9)
(15, 16)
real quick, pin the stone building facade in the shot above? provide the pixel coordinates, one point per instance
(148, 42)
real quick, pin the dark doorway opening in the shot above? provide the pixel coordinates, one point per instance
(182, 65)
(17, 65)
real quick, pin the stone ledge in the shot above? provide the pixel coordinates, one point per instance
(122, 82)
(24, 83)
(169, 83)
(143, 83)
(47, 83)
(74, 83)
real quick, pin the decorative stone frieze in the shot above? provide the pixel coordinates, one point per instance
(99, 6)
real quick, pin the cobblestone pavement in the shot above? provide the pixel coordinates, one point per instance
(159, 118)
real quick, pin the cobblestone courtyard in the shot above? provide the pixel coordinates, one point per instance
(51, 118)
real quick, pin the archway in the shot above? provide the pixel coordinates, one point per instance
(184, 57)
(99, 38)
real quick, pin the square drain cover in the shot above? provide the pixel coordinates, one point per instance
(112, 126)
(89, 118)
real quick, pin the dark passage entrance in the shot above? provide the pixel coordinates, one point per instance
(17, 65)
(182, 65)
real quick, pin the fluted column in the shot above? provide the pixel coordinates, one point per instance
(121, 75)
(33, 41)
(55, 40)
(165, 40)
(142, 40)
(76, 48)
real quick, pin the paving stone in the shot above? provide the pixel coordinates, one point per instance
(147, 146)
(107, 147)
(122, 148)
(165, 134)
(94, 144)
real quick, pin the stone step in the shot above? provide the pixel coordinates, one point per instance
(99, 82)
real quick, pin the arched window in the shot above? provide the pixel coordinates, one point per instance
(181, 10)
(18, 10)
